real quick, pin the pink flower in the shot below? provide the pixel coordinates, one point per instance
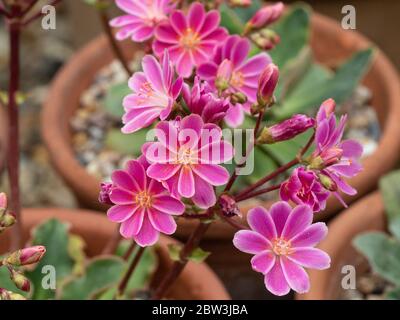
(245, 74)
(201, 100)
(266, 15)
(190, 39)
(282, 241)
(267, 84)
(154, 94)
(141, 19)
(304, 187)
(186, 159)
(105, 192)
(286, 130)
(333, 157)
(142, 205)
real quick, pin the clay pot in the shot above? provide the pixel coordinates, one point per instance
(365, 215)
(96, 230)
(331, 45)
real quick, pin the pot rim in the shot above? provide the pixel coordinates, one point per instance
(96, 229)
(77, 74)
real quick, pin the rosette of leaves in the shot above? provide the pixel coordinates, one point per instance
(382, 249)
(66, 273)
(303, 85)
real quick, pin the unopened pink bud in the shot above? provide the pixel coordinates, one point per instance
(3, 200)
(20, 281)
(286, 130)
(266, 16)
(224, 75)
(26, 256)
(105, 192)
(229, 206)
(266, 39)
(267, 84)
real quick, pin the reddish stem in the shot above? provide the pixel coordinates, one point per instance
(257, 193)
(178, 266)
(129, 251)
(232, 222)
(114, 46)
(13, 132)
(125, 280)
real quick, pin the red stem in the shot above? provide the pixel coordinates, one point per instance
(129, 251)
(257, 193)
(13, 132)
(178, 266)
(124, 282)
(114, 46)
(232, 222)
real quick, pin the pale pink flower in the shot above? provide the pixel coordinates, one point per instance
(154, 94)
(142, 205)
(141, 19)
(190, 39)
(282, 241)
(186, 158)
(245, 74)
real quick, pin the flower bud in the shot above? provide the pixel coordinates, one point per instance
(224, 75)
(105, 191)
(331, 156)
(7, 219)
(3, 200)
(265, 16)
(238, 97)
(4, 294)
(25, 256)
(267, 84)
(228, 206)
(20, 281)
(266, 39)
(326, 109)
(286, 130)
(327, 182)
(16, 296)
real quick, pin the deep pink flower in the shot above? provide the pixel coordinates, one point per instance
(282, 241)
(267, 84)
(201, 100)
(142, 205)
(245, 75)
(141, 19)
(266, 15)
(154, 94)
(304, 187)
(105, 192)
(186, 158)
(333, 157)
(190, 39)
(287, 129)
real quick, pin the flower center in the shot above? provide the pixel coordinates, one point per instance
(237, 79)
(189, 39)
(185, 156)
(281, 247)
(143, 199)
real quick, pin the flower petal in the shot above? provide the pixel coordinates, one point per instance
(263, 262)
(275, 281)
(153, 72)
(214, 174)
(279, 213)
(250, 242)
(120, 213)
(261, 221)
(162, 222)
(186, 182)
(296, 276)
(311, 258)
(131, 227)
(299, 219)
(162, 171)
(196, 16)
(311, 236)
(136, 171)
(168, 204)
(121, 196)
(148, 235)
(123, 180)
(204, 196)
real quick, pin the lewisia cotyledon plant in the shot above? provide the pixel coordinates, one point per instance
(215, 84)
(187, 158)
(282, 241)
(244, 77)
(155, 92)
(142, 205)
(189, 38)
(142, 16)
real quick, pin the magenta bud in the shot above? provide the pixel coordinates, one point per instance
(105, 192)
(229, 206)
(26, 256)
(20, 281)
(286, 130)
(326, 109)
(266, 39)
(3, 200)
(224, 75)
(267, 84)
(266, 16)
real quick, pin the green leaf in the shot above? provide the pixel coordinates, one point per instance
(294, 30)
(394, 227)
(338, 87)
(390, 190)
(198, 255)
(114, 97)
(76, 250)
(100, 273)
(128, 144)
(394, 294)
(230, 20)
(52, 234)
(174, 251)
(383, 254)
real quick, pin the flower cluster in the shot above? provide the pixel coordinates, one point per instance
(197, 81)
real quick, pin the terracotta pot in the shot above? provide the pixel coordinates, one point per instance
(96, 230)
(331, 45)
(365, 215)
